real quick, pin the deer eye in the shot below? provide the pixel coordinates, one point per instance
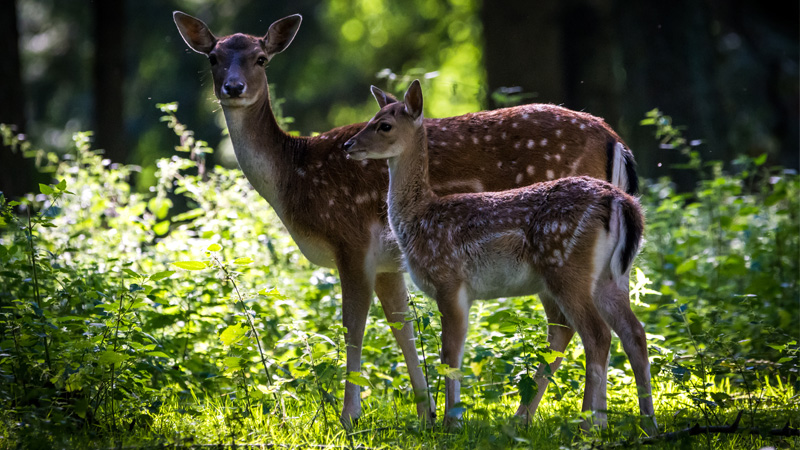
(261, 61)
(212, 59)
(384, 127)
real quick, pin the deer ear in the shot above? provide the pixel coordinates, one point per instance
(194, 32)
(413, 100)
(280, 34)
(382, 97)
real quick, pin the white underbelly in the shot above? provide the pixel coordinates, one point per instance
(505, 278)
(315, 250)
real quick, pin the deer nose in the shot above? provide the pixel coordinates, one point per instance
(349, 144)
(233, 88)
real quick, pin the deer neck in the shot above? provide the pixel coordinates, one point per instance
(409, 186)
(263, 150)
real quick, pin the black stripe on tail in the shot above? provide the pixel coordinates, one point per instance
(630, 166)
(630, 169)
(634, 227)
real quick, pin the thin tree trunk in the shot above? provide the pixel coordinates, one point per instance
(109, 69)
(15, 171)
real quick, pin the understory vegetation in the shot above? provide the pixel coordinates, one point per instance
(186, 316)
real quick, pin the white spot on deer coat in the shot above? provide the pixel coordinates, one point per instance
(530, 143)
(543, 142)
(529, 169)
(519, 178)
(474, 140)
(550, 174)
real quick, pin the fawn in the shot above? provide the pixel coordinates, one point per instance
(335, 209)
(572, 241)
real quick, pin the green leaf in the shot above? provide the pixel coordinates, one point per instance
(190, 265)
(396, 325)
(449, 372)
(45, 189)
(357, 379)
(109, 357)
(243, 261)
(159, 206)
(760, 160)
(131, 273)
(63, 184)
(552, 355)
(161, 228)
(233, 334)
(527, 388)
(158, 276)
(232, 362)
(188, 215)
(214, 247)
(689, 264)
(272, 293)
(158, 354)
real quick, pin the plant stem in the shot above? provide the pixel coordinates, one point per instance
(36, 289)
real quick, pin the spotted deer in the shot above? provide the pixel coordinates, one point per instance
(334, 207)
(572, 241)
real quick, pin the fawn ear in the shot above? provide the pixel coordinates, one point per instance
(413, 100)
(194, 32)
(382, 97)
(280, 34)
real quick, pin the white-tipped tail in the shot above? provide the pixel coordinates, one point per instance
(619, 173)
(617, 231)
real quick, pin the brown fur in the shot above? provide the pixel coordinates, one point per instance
(331, 204)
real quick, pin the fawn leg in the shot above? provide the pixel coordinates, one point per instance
(614, 304)
(584, 317)
(454, 307)
(559, 334)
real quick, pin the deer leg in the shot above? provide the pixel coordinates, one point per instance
(455, 322)
(584, 317)
(391, 290)
(559, 334)
(614, 304)
(357, 289)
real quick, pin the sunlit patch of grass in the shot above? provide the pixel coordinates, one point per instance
(389, 422)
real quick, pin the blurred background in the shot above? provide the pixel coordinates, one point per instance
(726, 70)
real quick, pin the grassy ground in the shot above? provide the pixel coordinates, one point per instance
(186, 421)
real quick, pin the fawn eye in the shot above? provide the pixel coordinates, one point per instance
(212, 59)
(261, 61)
(384, 127)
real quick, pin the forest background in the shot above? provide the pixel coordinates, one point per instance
(726, 70)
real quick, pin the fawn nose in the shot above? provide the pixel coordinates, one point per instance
(233, 88)
(348, 144)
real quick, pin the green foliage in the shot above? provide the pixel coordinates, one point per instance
(725, 260)
(402, 37)
(186, 314)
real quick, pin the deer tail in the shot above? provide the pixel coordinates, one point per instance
(627, 222)
(621, 167)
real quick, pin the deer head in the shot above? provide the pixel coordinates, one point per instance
(238, 61)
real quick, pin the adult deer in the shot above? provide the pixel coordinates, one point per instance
(572, 241)
(334, 208)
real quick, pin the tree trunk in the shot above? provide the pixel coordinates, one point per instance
(16, 176)
(109, 69)
(523, 48)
